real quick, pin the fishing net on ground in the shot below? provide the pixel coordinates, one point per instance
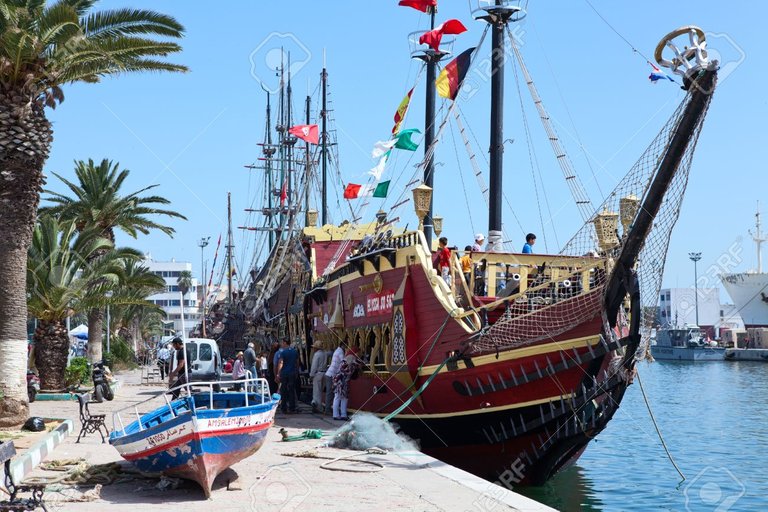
(549, 307)
(365, 431)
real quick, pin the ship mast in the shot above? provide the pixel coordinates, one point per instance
(497, 16)
(431, 58)
(757, 236)
(307, 171)
(269, 151)
(324, 147)
(229, 247)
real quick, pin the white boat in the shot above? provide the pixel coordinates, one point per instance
(749, 290)
(685, 344)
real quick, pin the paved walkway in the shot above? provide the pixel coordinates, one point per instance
(271, 480)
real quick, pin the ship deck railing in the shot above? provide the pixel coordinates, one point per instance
(256, 392)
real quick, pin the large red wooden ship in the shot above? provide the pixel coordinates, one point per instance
(509, 374)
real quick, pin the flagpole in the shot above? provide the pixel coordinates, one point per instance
(431, 58)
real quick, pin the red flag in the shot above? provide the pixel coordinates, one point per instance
(433, 37)
(419, 5)
(351, 191)
(284, 193)
(306, 132)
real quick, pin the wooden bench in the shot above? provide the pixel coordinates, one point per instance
(16, 503)
(91, 422)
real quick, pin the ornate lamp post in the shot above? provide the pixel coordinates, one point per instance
(695, 257)
(422, 202)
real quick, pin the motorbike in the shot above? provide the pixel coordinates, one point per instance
(101, 387)
(33, 385)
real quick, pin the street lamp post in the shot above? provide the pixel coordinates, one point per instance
(695, 257)
(203, 243)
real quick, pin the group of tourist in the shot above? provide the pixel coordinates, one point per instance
(443, 256)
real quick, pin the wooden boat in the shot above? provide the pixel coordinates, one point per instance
(198, 436)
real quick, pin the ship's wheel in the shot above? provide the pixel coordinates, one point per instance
(692, 58)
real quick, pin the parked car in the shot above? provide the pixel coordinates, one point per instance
(205, 363)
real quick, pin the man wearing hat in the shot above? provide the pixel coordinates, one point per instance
(316, 373)
(478, 246)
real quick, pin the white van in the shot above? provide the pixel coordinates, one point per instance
(204, 360)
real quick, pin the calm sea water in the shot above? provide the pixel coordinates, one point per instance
(714, 419)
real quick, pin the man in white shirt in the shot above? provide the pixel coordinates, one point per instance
(317, 373)
(333, 369)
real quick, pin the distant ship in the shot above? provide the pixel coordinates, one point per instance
(749, 290)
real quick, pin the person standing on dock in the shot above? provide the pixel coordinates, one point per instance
(238, 371)
(317, 374)
(333, 369)
(287, 370)
(249, 361)
(178, 375)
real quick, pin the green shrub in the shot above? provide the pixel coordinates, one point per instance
(120, 356)
(77, 372)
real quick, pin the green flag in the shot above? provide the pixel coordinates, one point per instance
(381, 189)
(404, 140)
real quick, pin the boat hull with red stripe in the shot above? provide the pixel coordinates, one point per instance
(197, 437)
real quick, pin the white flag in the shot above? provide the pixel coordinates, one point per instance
(378, 171)
(382, 147)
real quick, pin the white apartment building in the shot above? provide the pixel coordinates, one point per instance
(170, 299)
(677, 307)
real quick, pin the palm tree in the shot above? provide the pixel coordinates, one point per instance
(184, 282)
(98, 203)
(43, 48)
(137, 282)
(61, 282)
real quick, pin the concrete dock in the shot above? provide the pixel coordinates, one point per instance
(274, 479)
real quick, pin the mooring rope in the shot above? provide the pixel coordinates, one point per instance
(658, 431)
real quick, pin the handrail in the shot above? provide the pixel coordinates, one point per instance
(260, 386)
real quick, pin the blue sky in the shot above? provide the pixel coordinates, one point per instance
(192, 134)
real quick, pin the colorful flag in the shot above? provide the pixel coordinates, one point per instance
(306, 132)
(354, 191)
(419, 5)
(402, 109)
(377, 171)
(403, 140)
(433, 37)
(658, 74)
(382, 147)
(449, 81)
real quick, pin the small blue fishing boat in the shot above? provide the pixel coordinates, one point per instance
(198, 436)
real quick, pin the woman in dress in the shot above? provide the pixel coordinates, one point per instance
(347, 372)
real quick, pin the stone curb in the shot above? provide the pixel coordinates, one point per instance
(115, 385)
(23, 464)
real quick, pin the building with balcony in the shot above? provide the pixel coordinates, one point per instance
(170, 298)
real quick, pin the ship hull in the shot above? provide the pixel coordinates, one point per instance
(749, 292)
(701, 354)
(195, 444)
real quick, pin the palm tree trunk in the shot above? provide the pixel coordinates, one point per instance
(95, 324)
(51, 351)
(25, 138)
